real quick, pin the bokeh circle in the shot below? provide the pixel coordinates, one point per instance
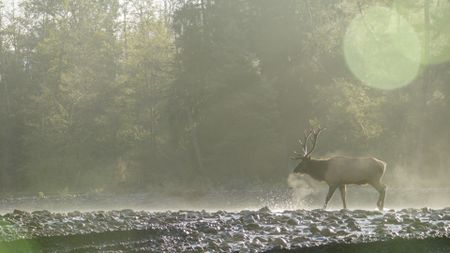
(382, 49)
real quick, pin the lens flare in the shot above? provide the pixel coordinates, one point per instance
(438, 27)
(382, 49)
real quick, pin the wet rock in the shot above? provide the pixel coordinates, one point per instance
(257, 243)
(409, 229)
(407, 219)
(252, 226)
(342, 232)
(332, 224)
(275, 230)
(224, 246)
(249, 218)
(171, 219)
(332, 218)
(314, 229)
(238, 237)
(352, 225)
(293, 222)
(207, 228)
(20, 212)
(265, 209)
(298, 240)
(127, 213)
(74, 214)
(380, 229)
(328, 232)
(360, 214)
(419, 226)
(42, 213)
(213, 245)
(393, 219)
(280, 242)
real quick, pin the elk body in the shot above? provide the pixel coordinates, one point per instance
(339, 171)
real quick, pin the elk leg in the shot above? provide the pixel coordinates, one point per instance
(343, 192)
(382, 196)
(381, 188)
(331, 190)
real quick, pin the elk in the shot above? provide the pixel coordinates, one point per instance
(339, 171)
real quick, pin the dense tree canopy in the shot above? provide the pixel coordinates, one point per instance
(131, 95)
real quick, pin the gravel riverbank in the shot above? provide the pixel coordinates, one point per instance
(221, 231)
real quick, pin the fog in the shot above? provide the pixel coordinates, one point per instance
(199, 105)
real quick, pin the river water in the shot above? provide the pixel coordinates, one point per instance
(270, 221)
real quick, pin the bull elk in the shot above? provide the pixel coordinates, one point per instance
(339, 171)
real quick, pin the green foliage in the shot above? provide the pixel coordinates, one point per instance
(115, 95)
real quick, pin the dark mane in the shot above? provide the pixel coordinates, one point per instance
(318, 168)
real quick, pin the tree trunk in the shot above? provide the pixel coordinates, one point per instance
(195, 144)
(423, 91)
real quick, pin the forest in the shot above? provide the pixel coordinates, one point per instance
(139, 95)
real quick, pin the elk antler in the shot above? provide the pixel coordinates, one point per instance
(315, 135)
(304, 144)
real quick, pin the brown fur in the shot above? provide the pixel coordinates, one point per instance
(339, 171)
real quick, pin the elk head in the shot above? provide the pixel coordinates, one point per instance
(305, 156)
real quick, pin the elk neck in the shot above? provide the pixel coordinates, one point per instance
(317, 168)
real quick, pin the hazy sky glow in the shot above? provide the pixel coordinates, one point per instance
(382, 49)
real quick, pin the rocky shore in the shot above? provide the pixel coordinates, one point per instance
(245, 231)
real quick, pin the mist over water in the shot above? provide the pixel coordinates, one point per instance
(300, 192)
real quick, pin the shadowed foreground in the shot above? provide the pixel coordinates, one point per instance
(138, 241)
(430, 245)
